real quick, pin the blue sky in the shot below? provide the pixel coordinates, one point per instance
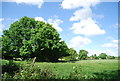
(93, 27)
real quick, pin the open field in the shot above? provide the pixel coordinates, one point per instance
(85, 69)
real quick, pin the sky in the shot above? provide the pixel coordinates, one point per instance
(91, 25)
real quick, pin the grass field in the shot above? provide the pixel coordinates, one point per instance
(87, 69)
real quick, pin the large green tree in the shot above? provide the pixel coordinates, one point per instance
(28, 38)
(83, 54)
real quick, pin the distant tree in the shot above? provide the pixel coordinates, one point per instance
(110, 57)
(103, 55)
(83, 54)
(95, 56)
(28, 38)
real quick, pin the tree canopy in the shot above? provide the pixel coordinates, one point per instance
(83, 54)
(28, 38)
(72, 55)
(103, 55)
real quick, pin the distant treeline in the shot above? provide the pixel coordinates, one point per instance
(83, 55)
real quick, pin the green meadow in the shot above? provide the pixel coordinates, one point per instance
(84, 69)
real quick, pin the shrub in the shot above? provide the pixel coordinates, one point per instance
(6, 76)
(28, 72)
(11, 67)
(76, 73)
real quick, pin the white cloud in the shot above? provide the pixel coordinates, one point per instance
(1, 25)
(109, 45)
(112, 48)
(78, 42)
(115, 41)
(71, 4)
(29, 2)
(84, 14)
(81, 14)
(55, 23)
(39, 19)
(113, 44)
(87, 27)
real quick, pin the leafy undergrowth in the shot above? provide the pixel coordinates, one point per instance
(81, 70)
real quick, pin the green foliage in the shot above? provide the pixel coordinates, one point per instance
(72, 55)
(94, 56)
(34, 72)
(110, 57)
(11, 67)
(76, 73)
(47, 73)
(103, 55)
(6, 76)
(28, 38)
(83, 54)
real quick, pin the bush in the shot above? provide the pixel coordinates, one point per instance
(76, 73)
(26, 71)
(6, 76)
(34, 73)
(11, 67)
(47, 73)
